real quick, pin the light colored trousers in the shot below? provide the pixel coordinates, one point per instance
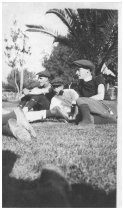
(55, 102)
(102, 108)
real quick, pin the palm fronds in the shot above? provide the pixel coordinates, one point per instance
(41, 31)
(64, 17)
(92, 33)
(35, 26)
(57, 38)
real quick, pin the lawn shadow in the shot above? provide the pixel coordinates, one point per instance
(8, 160)
(50, 190)
(85, 196)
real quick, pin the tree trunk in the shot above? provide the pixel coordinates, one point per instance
(21, 80)
(16, 83)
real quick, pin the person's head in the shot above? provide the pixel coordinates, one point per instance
(83, 73)
(85, 68)
(57, 85)
(43, 78)
(58, 89)
(44, 81)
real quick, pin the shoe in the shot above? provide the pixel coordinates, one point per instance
(21, 119)
(18, 130)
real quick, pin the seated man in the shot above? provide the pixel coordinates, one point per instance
(16, 123)
(91, 103)
(38, 98)
(61, 104)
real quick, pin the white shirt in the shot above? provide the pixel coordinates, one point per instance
(64, 101)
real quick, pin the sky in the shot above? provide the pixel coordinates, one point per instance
(31, 13)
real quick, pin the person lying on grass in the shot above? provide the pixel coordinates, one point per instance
(62, 104)
(17, 124)
(92, 106)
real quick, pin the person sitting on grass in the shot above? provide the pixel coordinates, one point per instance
(39, 97)
(16, 123)
(91, 104)
(62, 104)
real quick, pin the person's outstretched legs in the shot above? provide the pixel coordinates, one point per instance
(21, 119)
(85, 117)
(33, 116)
(13, 129)
(103, 120)
(6, 117)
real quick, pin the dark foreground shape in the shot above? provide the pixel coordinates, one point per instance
(50, 190)
(85, 196)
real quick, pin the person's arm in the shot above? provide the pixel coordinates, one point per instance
(100, 93)
(75, 96)
(38, 91)
(74, 109)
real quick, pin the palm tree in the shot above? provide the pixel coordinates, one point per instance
(92, 34)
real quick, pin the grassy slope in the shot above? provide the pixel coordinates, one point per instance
(84, 154)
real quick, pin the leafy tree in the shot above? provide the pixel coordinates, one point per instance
(16, 48)
(60, 63)
(29, 80)
(92, 34)
(8, 87)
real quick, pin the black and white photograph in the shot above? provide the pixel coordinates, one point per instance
(61, 123)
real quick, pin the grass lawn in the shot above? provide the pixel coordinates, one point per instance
(84, 154)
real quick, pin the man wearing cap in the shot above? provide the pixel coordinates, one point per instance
(61, 104)
(15, 123)
(91, 104)
(38, 98)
